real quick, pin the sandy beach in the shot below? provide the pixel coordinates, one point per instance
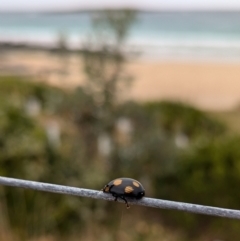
(209, 85)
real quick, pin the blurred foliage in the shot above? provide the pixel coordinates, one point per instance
(26, 152)
(205, 173)
(115, 24)
(177, 117)
(86, 137)
(17, 91)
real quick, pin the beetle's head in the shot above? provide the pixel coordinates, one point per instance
(141, 194)
(106, 188)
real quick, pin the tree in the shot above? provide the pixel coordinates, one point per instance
(104, 59)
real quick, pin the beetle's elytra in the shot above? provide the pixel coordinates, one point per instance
(125, 187)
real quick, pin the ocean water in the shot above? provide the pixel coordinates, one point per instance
(175, 35)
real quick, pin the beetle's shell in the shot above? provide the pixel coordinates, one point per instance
(125, 187)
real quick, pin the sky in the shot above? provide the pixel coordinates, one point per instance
(23, 5)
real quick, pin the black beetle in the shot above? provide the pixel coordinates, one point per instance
(125, 187)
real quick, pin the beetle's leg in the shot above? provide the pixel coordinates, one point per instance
(126, 202)
(116, 197)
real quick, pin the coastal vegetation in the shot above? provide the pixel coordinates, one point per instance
(178, 152)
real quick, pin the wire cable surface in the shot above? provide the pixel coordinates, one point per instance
(149, 202)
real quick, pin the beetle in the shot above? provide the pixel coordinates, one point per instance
(125, 187)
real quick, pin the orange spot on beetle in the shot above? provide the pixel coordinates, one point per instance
(117, 182)
(136, 184)
(128, 189)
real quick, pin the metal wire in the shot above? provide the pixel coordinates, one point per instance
(149, 202)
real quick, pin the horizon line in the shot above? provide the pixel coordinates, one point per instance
(88, 10)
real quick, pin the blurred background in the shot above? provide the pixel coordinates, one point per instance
(94, 91)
